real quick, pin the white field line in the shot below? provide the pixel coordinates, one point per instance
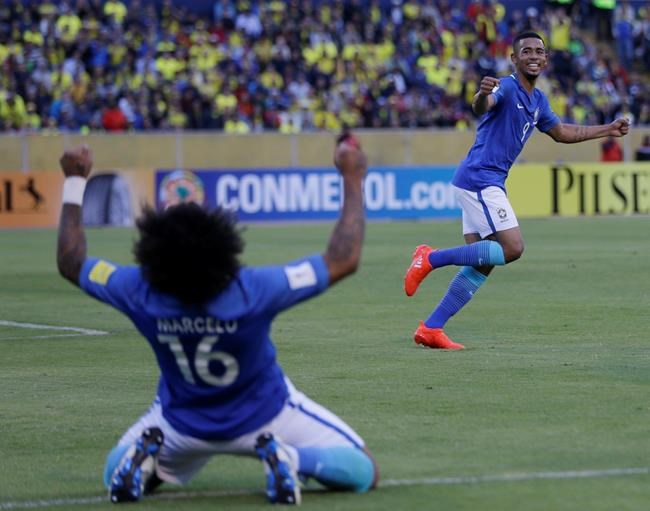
(517, 476)
(74, 331)
(388, 483)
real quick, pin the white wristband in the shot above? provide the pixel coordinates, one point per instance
(73, 190)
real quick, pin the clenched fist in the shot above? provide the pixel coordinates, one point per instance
(487, 85)
(77, 161)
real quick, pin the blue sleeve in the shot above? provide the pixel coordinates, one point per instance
(547, 117)
(276, 288)
(109, 282)
(502, 91)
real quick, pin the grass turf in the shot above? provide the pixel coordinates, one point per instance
(555, 376)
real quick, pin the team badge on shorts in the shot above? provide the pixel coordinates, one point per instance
(503, 214)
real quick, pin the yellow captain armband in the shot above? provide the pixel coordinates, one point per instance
(101, 272)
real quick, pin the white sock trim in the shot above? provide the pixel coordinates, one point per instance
(73, 190)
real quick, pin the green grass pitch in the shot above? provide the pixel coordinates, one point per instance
(548, 408)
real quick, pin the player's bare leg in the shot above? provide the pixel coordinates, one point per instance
(512, 243)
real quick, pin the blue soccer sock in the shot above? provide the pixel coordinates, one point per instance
(341, 468)
(481, 253)
(461, 290)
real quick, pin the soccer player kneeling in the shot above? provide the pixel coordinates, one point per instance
(207, 319)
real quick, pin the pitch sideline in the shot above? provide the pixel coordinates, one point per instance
(75, 331)
(388, 483)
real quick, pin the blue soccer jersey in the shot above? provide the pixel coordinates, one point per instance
(219, 375)
(502, 133)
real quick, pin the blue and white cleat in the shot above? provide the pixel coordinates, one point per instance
(282, 485)
(137, 466)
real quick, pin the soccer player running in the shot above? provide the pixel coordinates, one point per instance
(207, 319)
(510, 108)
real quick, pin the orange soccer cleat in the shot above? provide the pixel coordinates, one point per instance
(420, 268)
(434, 338)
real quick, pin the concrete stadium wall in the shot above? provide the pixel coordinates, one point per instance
(209, 150)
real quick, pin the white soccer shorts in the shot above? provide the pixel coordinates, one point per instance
(485, 212)
(301, 423)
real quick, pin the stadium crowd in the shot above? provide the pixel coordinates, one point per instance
(301, 65)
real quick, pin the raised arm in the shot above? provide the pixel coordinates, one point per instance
(344, 248)
(483, 100)
(71, 245)
(572, 133)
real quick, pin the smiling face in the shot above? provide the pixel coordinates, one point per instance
(529, 57)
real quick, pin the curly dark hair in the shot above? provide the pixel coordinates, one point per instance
(187, 251)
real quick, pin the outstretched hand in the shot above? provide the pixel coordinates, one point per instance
(71, 244)
(77, 161)
(348, 155)
(344, 248)
(620, 127)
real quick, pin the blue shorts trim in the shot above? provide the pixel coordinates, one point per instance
(486, 211)
(326, 423)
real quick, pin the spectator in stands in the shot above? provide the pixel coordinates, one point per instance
(644, 37)
(67, 25)
(643, 152)
(611, 150)
(115, 11)
(34, 122)
(113, 118)
(390, 57)
(225, 12)
(13, 112)
(235, 124)
(248, 21)
(604, 12)
(623, 31)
